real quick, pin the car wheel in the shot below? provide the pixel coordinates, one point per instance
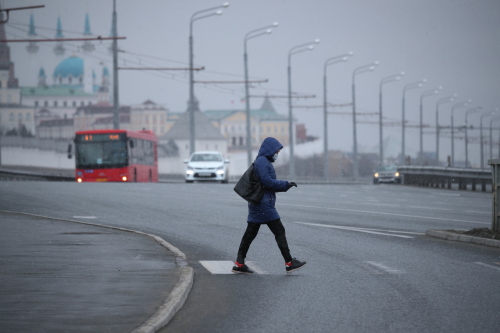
(189, 181)
(375, 182)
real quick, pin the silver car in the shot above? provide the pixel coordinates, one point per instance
(387, 174)
(207, 166)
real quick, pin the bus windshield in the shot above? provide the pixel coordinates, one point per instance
(101, 154)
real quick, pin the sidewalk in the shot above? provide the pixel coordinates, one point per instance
(60, 276)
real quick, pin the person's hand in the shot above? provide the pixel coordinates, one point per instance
(292, 184)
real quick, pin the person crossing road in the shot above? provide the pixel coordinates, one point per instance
(265, 212)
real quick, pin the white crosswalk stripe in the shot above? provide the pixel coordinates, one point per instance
(225, 266)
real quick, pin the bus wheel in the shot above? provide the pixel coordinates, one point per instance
(189, 181)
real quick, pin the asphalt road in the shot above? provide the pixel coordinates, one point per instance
(370, 268)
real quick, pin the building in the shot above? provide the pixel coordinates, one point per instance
(15, 118)
(68, 90)
(100, 116)
(149, 116)
(264, 122)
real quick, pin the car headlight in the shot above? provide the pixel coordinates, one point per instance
(376, 174)
(396, 174)
(189, 170)
(220, 170)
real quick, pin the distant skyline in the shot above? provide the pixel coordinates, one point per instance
(451, 43)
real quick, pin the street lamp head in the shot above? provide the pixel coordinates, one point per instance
(351, 53)
(440, 87)
(372, 68)
(316, 40)
(402, 73)
(397, 78)
(268, 31)
(219, 12)
(344, 59)
(420, 85)
(376, 63)
(311, 47)
(424, 80)
(455, 95)
(275, 24)
(225, 4)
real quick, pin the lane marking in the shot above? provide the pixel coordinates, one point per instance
(390, 214)
(486, 265)
(477, 212)
(381, 204)
(368, 231)
(384, 267)
(84, 217)
(430, 208)
(225, 266)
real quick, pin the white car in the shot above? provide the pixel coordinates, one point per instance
(207, 165)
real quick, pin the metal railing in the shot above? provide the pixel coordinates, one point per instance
(444, 177)
(26, 175)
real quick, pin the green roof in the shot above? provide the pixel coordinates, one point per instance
(53, 91)
(260, 114)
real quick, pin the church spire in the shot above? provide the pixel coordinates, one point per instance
(59, 48)
(87, 46)
(32, 47)
(5, 62)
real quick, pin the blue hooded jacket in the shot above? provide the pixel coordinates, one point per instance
(265, 212)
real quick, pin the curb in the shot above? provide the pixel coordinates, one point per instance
(177, 296)
(462, 238)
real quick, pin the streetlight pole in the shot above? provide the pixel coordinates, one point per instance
(251, 34)
(484, 114)
(359, 70)
(472, 110)
(388, 79)
(495, 118)
(425, 94)
(294, 50)
(409, 86)
(191, 103)
(439, 102)
(328, 62)
(116, 105)
(453, 108)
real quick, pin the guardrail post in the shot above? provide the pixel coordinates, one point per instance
(495, 166)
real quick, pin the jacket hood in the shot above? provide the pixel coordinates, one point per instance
(269, 147)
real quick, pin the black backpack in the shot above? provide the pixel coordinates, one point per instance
(249, 187)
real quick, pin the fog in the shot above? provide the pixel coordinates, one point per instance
(452, 43)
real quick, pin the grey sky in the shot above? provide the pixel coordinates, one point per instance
(453, 43)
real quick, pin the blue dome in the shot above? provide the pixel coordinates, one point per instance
(71, 66)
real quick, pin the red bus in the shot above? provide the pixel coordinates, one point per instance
(115, 156)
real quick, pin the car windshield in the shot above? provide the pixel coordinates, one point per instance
(388, 168)
(206, 158)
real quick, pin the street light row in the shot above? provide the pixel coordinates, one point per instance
(309, 46)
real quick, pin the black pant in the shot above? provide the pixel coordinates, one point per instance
(276, 228)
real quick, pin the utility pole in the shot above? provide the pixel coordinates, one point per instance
(116, 105)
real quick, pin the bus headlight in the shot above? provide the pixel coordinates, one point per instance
(376, 175)
(396, 174)
(124, 178)
(79, 180)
